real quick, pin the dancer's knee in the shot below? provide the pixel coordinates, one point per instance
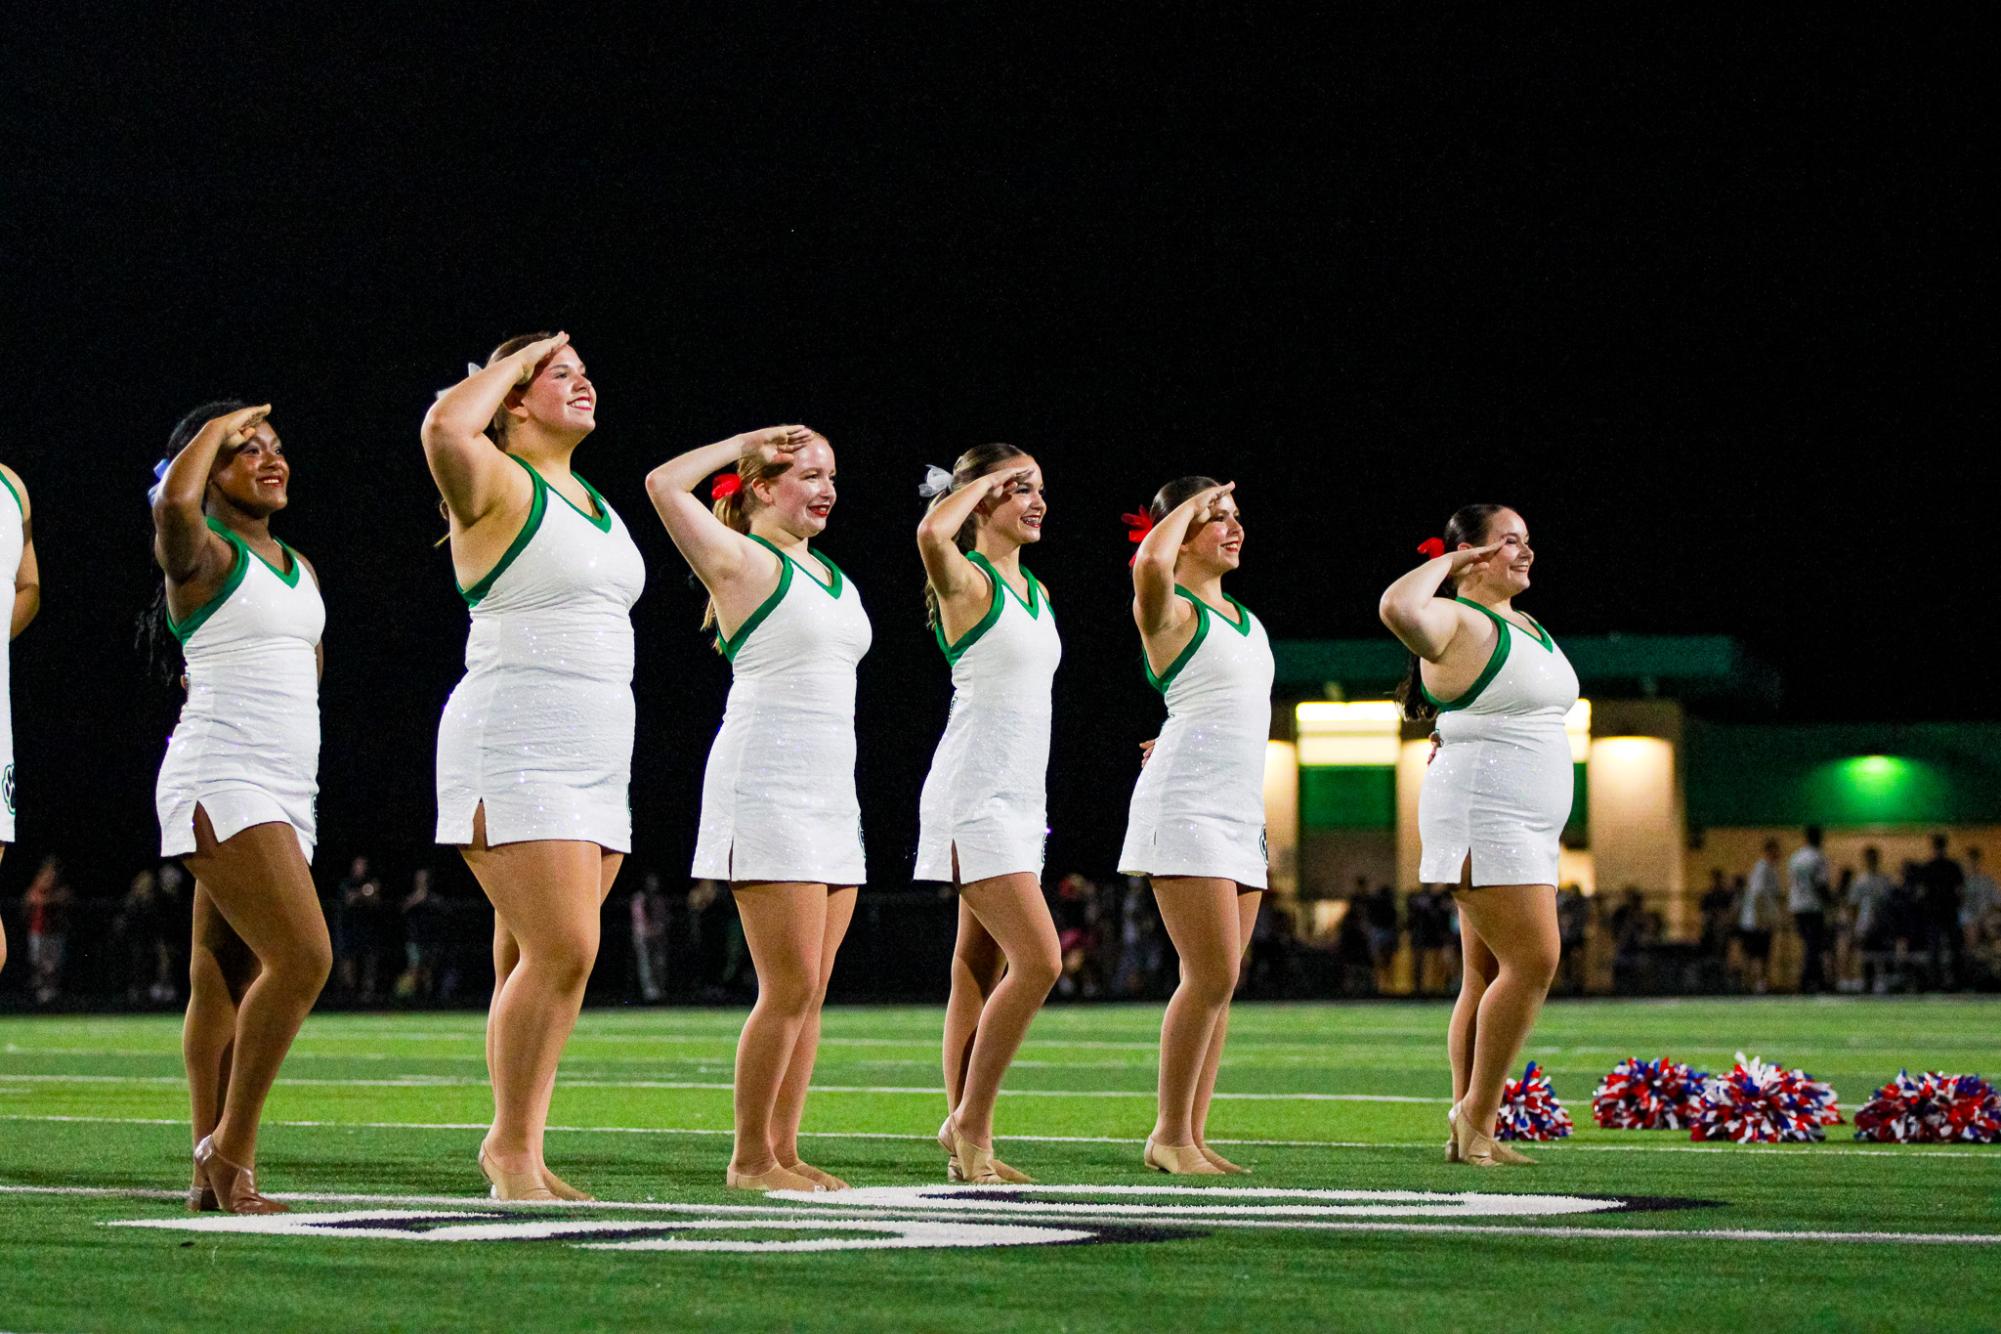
(1209, 981)
(1038, 969)
(564, 956)
(788, 995)
(301, 965)
(1534, 963)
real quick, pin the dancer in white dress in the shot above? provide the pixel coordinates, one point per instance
(1197, 827)
(983, 816)
(24, 599)
(780, 820)
(1496, 793)
(236, 791)
(535, 746)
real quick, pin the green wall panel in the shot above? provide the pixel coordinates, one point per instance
(1343, 796)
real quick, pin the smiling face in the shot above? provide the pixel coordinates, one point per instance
(560, 401)
(801, 497)
(254, 475)
(1215, 541)
(1017, 515)
(1506, 573)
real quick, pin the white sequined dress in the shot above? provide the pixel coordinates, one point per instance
(1500, 786)
(778, 796)
(1198, 808)
(985, 794)
(540, 727)
(247, 746)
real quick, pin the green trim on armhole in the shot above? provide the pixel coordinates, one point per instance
(734, 644)
(1503, 643)
(536, 509)
(19, 503)
(602, 519)
(184, 630)
(1166, 678)
(954, 652)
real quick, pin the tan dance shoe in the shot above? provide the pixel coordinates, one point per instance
(506, 1185)
(1219, 1161)
(562, 1189)
(1478, 1150)
(201, 1198)
(1452, 1133)
(1178, 1160)
(825, 1180)
(234, 1185)
(775, 1179)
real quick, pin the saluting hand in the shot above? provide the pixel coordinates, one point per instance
(529, 359)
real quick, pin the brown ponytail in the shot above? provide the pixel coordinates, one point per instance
(734, 510)
(972, 465)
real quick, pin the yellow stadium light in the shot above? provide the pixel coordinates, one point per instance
(1577, 726)
(1348, 732)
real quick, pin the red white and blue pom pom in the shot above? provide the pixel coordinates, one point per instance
(1931, 1109)
(1529, 1109)
(1648, 1095)
(1764, 1104)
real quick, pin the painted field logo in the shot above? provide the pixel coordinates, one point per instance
(910, 1217)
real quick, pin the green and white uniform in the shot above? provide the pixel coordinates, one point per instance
(778, 796)
(247, 746)
(1198, 809)
(540, 726)
(13, 533)
(1499, 789)
(985, 795)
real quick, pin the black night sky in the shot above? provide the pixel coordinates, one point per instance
(1708, 297)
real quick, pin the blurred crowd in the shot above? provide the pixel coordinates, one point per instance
(1789, 922)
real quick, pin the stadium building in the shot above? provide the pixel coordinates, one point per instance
(1671, 783)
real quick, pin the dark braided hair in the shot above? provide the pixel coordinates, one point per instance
(153, 638)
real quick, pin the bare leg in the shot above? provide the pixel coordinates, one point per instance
(1479, 973)
(1517, 923)
(260, 885)
(1212, 1060)
(784, 926)
(1014, 916)
(977, 963)
(790, 1109)
(608, 864)
(1201, 919)
(546, 892)
(220, 968)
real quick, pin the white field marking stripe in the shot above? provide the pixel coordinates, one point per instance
(1622, 1233)
(1904, 1153)
(723, 1086)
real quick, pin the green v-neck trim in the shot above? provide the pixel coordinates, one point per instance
(601, 520)
(1242, 624)
(831, 586)
(1536, 633)
(1032, 604)
(291, 577)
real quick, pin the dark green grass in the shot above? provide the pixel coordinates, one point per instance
(391, 1106)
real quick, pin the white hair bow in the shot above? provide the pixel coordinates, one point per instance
(936, 482)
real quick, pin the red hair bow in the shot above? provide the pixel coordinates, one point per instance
(1431, 548)
(726, 484)
(1141, 524)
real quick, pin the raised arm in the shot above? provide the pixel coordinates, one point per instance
(469, 468)
(28, 575)
(182, 542)
(950, 573)
(716, 552)
(1413, 611)
(1154, 605)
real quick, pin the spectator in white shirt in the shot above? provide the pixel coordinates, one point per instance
(1869, 901)
(1980, 901)
(1806, 900)
(1757, 913)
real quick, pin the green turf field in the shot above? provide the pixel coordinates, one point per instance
(1321, 1098)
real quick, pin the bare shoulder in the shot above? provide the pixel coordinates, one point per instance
(20, 488)
(298, 556)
